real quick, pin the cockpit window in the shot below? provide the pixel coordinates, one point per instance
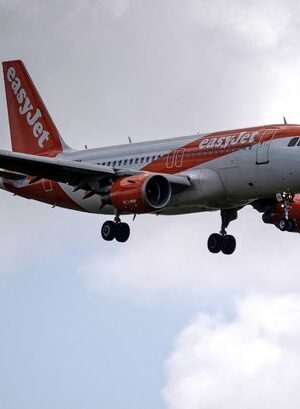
(293, 141)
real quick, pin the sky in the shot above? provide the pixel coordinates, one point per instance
(157, 322)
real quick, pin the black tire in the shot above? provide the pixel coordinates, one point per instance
(290, 225)
(286, 225)
(282, 225)
(108, 230)
(214, 243)
(228, 244)
(122, 232)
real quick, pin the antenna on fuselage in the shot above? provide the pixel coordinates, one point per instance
(284, 120)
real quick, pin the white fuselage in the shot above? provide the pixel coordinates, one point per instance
(233, 179)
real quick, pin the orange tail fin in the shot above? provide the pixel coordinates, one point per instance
(31, 127)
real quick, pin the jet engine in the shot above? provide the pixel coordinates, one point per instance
(140, 193)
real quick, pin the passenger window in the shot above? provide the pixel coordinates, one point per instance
(103, 163)
(136, 160)
(142, 160)
(120, 163)
(147, 159)
(131, 161)
(153, 157)
(293, 142)
(108, 163)
(125, 162)
(114, 163)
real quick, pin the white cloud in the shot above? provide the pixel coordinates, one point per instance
(251, 362)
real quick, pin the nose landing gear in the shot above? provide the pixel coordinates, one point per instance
(286, 224)
(115, 230)
(223, 242)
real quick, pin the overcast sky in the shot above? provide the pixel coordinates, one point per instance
(157, 322)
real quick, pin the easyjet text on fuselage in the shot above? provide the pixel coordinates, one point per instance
(229, 141)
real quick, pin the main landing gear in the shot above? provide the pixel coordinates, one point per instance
(286, 224)
(223, 242)
(115, 230)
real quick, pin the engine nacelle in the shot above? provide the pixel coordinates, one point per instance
(274, 215)
(140, 193)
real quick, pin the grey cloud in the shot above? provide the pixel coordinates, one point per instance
(170, 255)
(157, 69)
(152, 69)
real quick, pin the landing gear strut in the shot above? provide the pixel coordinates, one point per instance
(285, 224)
(115, 230)
(223, 242)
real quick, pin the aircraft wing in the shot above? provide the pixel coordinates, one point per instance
(74, 173)
(11, 175)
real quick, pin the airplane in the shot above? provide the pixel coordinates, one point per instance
(219, 171)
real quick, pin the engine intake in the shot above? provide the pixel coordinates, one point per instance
(140, 193)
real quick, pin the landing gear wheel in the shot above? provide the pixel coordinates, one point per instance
(228, 244)
(286, 225)
(214, 243)
(282, 224)
(223, 242)
(291, 225)
(122, 232)
(108, 230)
